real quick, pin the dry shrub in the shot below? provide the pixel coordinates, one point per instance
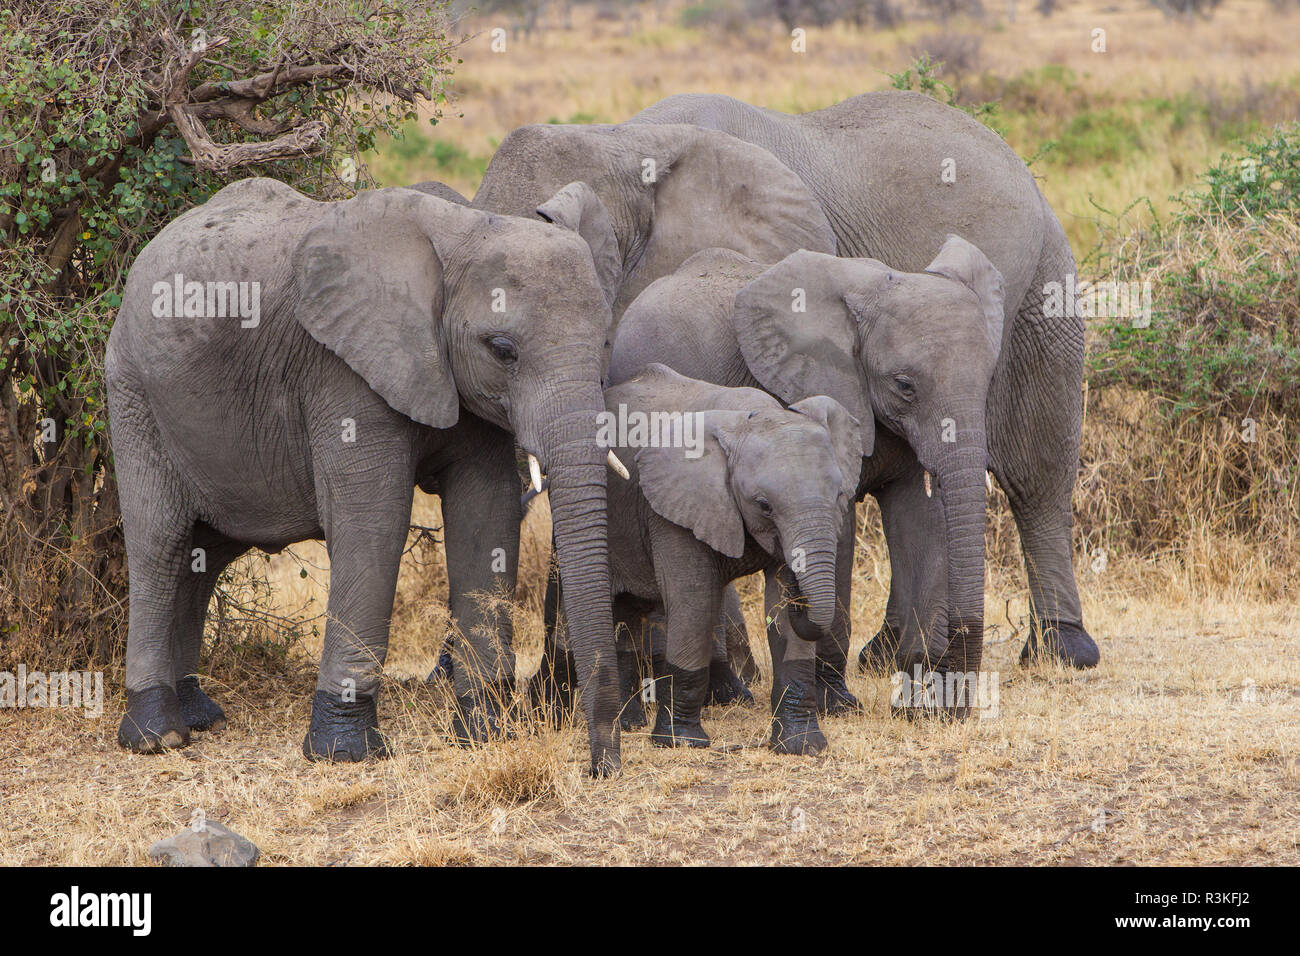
(1191, 489)
(1192, 443)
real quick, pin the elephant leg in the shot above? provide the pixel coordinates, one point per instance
(628, 623)
(481, 516)
(915, 630)
(833, 695)
(1034, 436)
(794, 701)
(692, 601)
(210, 555)
(445, 667)
(683, 688)
(739, 652)
(724, 686)
(157, 526)
(365, 521)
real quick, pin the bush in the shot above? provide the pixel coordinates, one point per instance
(116, 116)
(1194, 439)
(1225, 324)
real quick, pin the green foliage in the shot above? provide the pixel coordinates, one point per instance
(1095, 136)
(72, 129)
(1225, 329)
(923, 77)
(92, 166)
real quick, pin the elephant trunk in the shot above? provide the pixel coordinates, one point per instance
(577, 472)
(812, 558)
(961, 479)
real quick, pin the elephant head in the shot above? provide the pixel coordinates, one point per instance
(665, 192)
(915, 351)
(440, 306)
(785, 477)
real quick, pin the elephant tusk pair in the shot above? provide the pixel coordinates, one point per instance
(929, 492)
(535, 470)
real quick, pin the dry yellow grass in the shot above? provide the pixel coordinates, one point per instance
(1183, 744)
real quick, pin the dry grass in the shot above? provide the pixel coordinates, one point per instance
(1241, 64)
(1163, 740)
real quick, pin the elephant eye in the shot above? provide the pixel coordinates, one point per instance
(763, 505)
(905, 387)
(503, 348)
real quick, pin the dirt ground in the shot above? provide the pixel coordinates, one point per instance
(1181, 748)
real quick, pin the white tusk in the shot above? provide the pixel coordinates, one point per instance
(620, 468)
(988, 481)
(929, 493)
(535, 472)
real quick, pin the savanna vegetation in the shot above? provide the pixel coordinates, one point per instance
(1172, 157)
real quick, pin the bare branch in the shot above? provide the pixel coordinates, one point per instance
(305, 140)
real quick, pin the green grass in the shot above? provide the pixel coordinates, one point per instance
(420, 155)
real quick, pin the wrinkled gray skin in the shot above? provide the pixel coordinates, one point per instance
(876, 164)
(873, 165)
(771, 491)
(909, 349)
(377, 324)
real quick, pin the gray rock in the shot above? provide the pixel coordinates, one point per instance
(214, 845)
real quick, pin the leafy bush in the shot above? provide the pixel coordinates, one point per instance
(115, 116)
(1192, 441)
(1225, 324)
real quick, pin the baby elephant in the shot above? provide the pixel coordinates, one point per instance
(725, 483)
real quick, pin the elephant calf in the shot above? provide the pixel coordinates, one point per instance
(725, 483)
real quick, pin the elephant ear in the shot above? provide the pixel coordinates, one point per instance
(577, 207)
(962, 261)
(799, 337)
(369, 283)
(695, 492)
(846, 438)
(712, 189)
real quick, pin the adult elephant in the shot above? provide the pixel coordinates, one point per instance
(665, 193)
(390, 340)
(895, 172)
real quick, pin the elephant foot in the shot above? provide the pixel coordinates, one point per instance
(153, 721)
(632, 715)
(483, 714)
(673, 732)
(550, 691)
(725, 687)
(444, 669)
(878, 657)
(607, 763)
(343, 731)
(927, 696)
(834, 699)
(794, 716)
(681, 694)
(1058, 640)
(199, 711)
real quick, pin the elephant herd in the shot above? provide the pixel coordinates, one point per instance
(824, 306)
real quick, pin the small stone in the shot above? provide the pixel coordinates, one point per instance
(213, 845)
